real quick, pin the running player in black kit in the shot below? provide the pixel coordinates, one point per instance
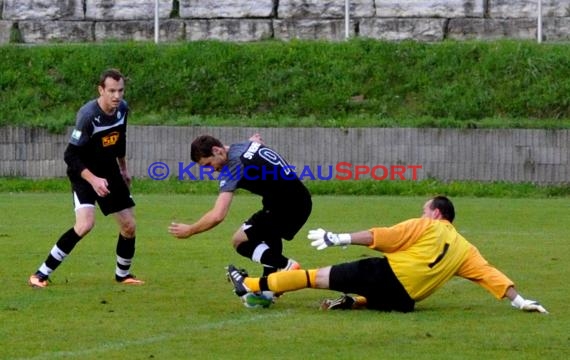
(97, 170)
(261, 170)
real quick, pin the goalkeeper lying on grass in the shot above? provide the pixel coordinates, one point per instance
(420, 255)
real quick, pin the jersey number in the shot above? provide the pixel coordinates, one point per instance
(440, 256)
(274, 159)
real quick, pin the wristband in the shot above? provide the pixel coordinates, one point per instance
(344, 239)
(518, 302)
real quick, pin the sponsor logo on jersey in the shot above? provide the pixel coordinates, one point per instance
(111, 139)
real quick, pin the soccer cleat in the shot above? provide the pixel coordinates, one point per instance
(236, 277)
(128, 280)
(38, 280)
(345, 302)
(291, 265)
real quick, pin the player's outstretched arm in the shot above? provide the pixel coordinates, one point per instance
(523, 304)
(209, 220)
(322, 239)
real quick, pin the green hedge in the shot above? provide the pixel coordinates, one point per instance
(426, 188)
(354, 83)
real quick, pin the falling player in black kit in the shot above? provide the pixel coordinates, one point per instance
(261, 170)
(97, 170)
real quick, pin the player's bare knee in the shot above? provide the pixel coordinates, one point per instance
(322, 280)
(84, 227)
(128, 229)
(236, 241)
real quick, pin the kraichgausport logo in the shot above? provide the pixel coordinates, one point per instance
(340, 171)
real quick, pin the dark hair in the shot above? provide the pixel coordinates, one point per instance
(202, 147)
(110, 73)
(445, 207)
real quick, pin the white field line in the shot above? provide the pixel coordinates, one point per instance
(184, 330)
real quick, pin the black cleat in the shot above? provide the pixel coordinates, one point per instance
(236, 277)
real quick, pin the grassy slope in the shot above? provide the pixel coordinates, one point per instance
(354, 83)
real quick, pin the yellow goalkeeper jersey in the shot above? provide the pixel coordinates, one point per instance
(423, 253)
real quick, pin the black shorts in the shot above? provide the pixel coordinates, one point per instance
(118, 199)
(374, 279)
(268, 225)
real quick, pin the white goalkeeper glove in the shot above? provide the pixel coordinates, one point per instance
(322, 239)
(528, 305)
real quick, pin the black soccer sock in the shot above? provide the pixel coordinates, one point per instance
(254, 251)
(125, 253)
(246, 249)
(263, 286)
(274, 259)
(60, 251)
(262, 253)
(268, 270)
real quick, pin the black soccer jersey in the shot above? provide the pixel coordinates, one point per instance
(97, 140)
(262, 171)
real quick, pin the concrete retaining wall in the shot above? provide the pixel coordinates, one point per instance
(539, 156)
(44, 21)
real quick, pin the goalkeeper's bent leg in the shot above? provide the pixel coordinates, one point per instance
(284, 281)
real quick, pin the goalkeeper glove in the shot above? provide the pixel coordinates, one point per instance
(322, 239)
(528, 305)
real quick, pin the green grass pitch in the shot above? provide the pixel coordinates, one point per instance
(188, 311)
